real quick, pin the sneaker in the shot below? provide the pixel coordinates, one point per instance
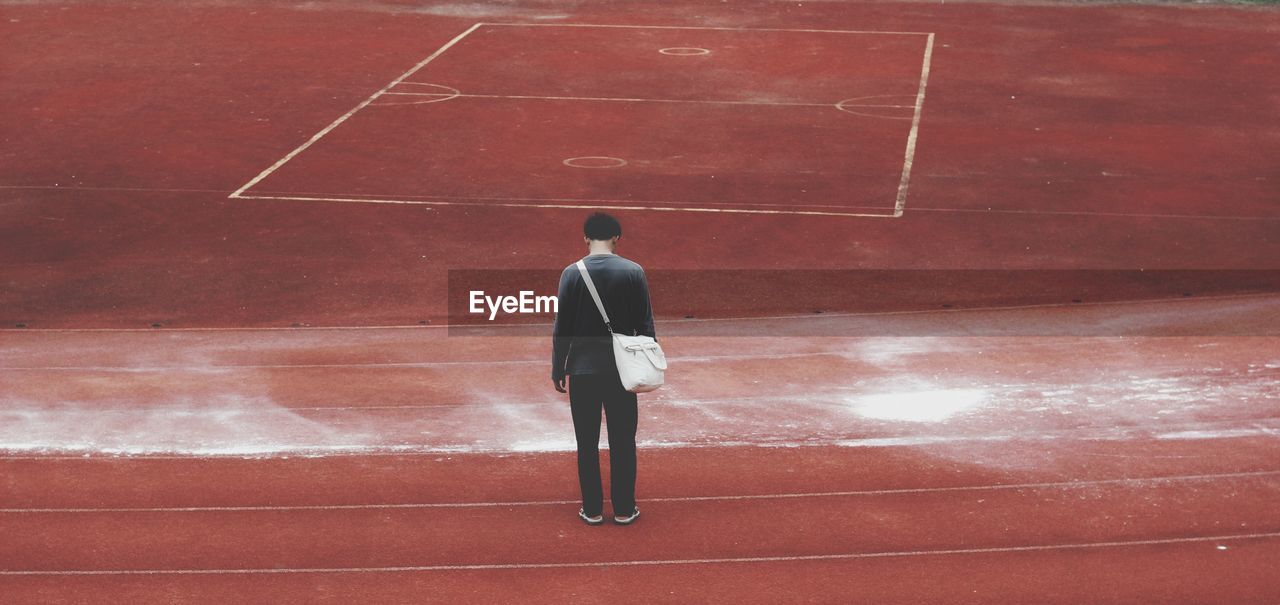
(627, 519)
(596, 520)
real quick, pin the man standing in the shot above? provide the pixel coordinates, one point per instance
(582, 349)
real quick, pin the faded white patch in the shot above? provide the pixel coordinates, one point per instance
(893, 351)
(1222, 434)
(872, 392)
(916, 441)
(220, 425)
(933, 405)
(471, 10)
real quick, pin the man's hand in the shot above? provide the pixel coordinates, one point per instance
(559, 382)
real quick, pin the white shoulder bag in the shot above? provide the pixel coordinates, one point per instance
(641, 362)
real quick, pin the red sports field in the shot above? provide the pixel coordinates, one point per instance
(965, 303)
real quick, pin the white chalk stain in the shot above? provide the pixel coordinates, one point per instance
(222, 425)
(884, 392)
(1219, 434)
(934, 405)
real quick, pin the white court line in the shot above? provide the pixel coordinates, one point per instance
(560, 206)
(343, 118)
(780, 496)
(814, 316)
(621, 99)
(637, 100)
(840, 206)
(901, 202)
(899, 205)
(914, 208)
(239, 193)
(651, 562)
(488, 198)
(732, 29)
(481, 201)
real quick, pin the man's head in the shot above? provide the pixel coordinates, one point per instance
(601, 227)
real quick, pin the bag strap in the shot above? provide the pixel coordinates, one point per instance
(591, 287)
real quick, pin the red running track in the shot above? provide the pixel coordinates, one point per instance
(927, 465)
(959, 468)
(906, 529)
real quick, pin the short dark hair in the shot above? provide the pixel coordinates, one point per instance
(601, 226)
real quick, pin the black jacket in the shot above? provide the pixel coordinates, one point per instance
(580, 341)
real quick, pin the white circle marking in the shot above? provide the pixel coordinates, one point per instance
(595, 161)
(684, 51)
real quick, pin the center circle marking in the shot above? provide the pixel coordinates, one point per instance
(595, 161)
(684, 51)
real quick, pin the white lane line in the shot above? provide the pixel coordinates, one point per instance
(671, 322)
(317, 136)
(734, 29)
(868, 105)
(228, 329)
(90, 188)
(901, 203)
(404, 364)
(782, 496)
(652, 562)
(1101, 214)
(1150, 435)
(458, 202)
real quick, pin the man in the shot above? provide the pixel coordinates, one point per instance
(582, 349)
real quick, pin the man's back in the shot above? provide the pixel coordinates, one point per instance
(581, 340)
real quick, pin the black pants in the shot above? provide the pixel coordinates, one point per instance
(587, 394)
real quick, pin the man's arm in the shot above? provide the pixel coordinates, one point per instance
(562, 333)
(646, 309)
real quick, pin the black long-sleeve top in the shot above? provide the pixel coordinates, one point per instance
(580, 340)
